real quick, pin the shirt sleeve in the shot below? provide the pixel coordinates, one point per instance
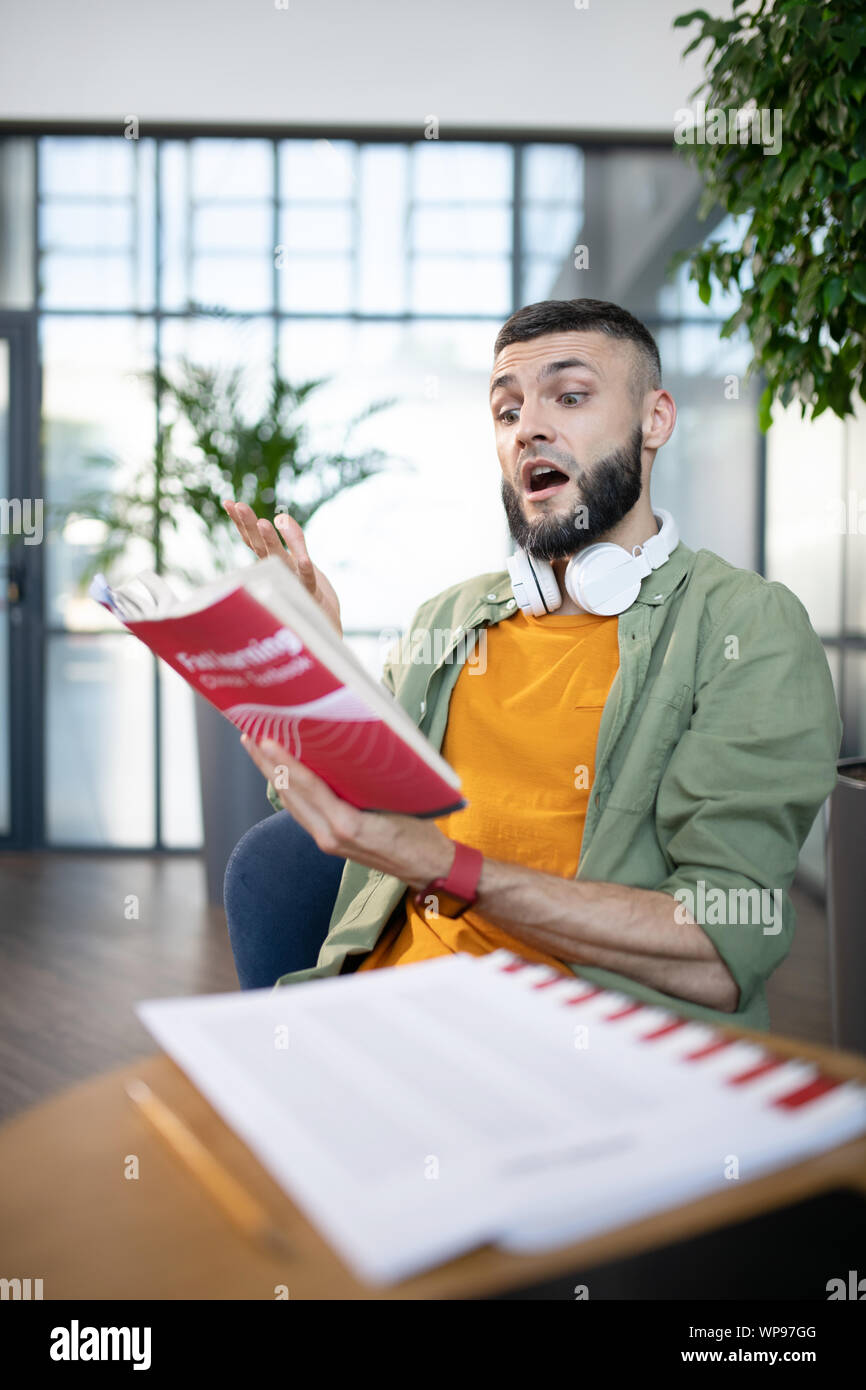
(747, 778)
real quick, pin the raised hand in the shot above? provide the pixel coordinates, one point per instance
(286, 539)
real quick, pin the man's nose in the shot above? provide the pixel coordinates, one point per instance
(532, 424)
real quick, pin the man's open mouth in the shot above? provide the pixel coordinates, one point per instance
(544, 480)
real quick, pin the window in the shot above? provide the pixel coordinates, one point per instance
(387, 266)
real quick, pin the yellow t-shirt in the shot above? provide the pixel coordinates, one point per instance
(522, 732)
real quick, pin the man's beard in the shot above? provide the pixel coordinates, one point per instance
(608, 492)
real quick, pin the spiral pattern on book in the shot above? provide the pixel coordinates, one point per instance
(341, 739)
(280, 722)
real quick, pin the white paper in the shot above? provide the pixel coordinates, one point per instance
(416, 1112)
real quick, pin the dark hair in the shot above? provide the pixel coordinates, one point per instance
(587, 315)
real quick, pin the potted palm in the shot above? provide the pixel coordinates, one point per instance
(801, 282)
(209, 449)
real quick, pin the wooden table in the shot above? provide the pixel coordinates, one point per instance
(70, 1216)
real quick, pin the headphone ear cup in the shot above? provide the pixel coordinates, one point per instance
(533, 584)
(601, 579)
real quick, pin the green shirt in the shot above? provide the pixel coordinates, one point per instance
(717, 746)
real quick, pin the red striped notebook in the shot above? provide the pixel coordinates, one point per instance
(757, 1110)
(416, 1112)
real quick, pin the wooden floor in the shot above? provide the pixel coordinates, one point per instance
(73, 964)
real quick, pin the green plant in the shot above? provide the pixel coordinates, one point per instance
(267, 462)
(805, 308)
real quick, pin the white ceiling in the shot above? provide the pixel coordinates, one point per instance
(613, 66)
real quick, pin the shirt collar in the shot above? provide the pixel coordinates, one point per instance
(659, 584)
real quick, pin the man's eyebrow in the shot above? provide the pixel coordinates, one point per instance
(549, 369)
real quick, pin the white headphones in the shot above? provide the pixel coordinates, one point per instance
(604, 579)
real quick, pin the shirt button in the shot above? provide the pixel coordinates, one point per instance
(511, 603)
(491, 596)
(423, 706)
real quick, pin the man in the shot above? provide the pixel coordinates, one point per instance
(639, 784)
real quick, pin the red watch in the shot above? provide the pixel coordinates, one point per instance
(459, 889)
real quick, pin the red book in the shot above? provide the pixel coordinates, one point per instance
(258, 647)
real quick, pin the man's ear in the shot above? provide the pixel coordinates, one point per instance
(662, 418)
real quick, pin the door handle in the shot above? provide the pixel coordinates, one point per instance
(13, 586)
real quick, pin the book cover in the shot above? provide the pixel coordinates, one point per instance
(320, 705)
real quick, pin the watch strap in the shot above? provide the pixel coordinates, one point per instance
(461, 881)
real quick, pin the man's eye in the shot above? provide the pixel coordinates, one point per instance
(577, 395)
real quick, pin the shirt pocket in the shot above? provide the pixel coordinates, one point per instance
(662, 723)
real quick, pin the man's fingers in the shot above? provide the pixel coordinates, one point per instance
(240, 524)
(293, 536)
(250, 530)
(280, 766)
(300, 805)
(287, 541)
(290, 528)
(244, 519)
(273, 542)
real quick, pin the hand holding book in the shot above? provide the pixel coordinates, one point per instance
(262, 538)
(413, 850)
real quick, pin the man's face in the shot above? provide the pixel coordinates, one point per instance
(582, 420)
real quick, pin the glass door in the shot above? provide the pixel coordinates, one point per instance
(22, 527)
(6, 592)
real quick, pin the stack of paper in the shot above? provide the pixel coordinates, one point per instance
(416, 1112)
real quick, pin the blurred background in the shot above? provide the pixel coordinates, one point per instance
(423, 172)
